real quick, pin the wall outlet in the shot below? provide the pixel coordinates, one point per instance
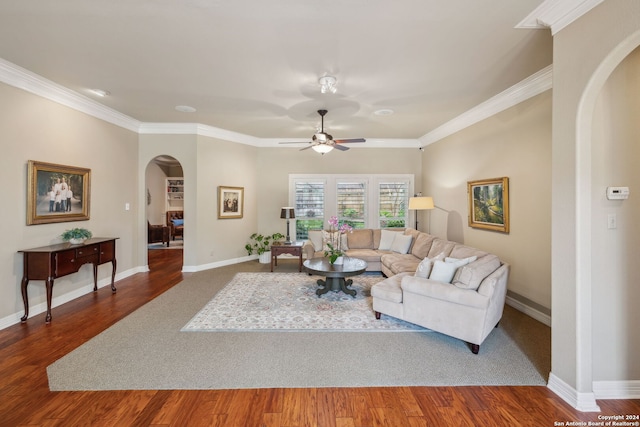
(612, 221)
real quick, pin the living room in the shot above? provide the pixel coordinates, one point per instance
(551, 191)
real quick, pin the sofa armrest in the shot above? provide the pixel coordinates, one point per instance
(308, 249)
(442, 291)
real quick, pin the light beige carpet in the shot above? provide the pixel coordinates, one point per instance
(148, 350)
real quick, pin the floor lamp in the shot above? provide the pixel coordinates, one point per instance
(288, 213)
(420, 203)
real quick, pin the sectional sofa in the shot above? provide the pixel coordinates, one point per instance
(441, 285)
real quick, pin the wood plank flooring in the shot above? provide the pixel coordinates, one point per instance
(25, 400)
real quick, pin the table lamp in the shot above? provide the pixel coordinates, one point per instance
(288, 213)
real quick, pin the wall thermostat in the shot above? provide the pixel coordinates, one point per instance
(617, 193)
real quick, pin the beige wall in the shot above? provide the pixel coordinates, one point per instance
(615, 155)
(585, 54)
(517, 144)
(34, 128)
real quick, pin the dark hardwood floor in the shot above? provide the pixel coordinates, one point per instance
(25, 400)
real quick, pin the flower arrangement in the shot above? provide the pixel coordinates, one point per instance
(335, 239)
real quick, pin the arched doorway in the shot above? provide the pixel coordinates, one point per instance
(164, 207)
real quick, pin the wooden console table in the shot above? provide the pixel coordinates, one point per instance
(280, 248)
(50, 262)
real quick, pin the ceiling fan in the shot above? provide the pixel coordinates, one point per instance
(322, 142)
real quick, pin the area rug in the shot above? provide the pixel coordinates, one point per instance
(288, 302)
(148, 351)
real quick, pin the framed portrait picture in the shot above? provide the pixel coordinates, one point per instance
(57, 193)
(489, 204)
(230, 202)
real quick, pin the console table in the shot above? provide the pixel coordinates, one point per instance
(50, 262)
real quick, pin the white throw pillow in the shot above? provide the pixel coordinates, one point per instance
(461, 261)
(316, 239)
(425, 266)
(386, 239)
(401, 243)
(444, 271)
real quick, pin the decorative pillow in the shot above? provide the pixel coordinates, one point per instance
(461, 261)
(471, 275)
(177, 222)
(444, 271)
(328, 238)
(316, 239)
(386, 239)
(401, 243)
(425, 266)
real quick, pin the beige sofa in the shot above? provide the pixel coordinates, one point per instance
(444, 286)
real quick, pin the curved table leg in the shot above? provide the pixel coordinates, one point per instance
(324, 289)
(113, 274)
(335, 284)
(343, 287)
(49, 285)
(25, 299)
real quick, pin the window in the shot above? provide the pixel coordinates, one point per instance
(351, 199)
(309, 207)
(393, 202)
(362, 201)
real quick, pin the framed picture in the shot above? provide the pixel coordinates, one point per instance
(489, 204)
(230, 202)
(57, 193)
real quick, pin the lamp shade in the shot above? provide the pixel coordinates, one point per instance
(287, 212)
(322, 148)
(421, 203)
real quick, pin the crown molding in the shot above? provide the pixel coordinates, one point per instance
(198, 129)
(21, 78)
(557, 14)
(528, 88)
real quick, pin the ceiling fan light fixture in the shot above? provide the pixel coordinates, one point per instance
(322, 148)
(327, 84)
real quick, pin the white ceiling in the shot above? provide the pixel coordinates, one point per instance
(251, 66)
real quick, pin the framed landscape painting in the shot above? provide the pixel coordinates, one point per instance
(489, 204)
(57, 193)
(230, 202)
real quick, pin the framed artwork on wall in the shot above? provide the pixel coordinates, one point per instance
(489, 204)
(230, 202)
(57, 193)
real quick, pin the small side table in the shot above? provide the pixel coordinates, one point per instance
(280, 248)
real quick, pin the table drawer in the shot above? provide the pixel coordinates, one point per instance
(87, 251)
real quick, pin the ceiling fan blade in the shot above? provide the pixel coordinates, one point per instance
(340, 147)
(295, 142)
(306, 148)
(342, 141)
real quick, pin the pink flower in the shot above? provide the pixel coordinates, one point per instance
(333, 221)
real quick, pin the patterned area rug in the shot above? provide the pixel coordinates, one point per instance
(288, 302)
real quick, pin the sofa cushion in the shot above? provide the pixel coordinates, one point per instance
(471, 275)
(439, 245)
(360, 239)
(329, 237)
(399, 263)
(462, 251)
(389, 289)
(422, 245)
(425, 266)
(401, 243)
(368, 255)
(386, 239)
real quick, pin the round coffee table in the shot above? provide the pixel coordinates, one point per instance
(335, 274)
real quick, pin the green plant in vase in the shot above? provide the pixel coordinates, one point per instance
(261, 243)
(76, 235)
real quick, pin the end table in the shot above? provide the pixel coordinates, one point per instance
(279, 248)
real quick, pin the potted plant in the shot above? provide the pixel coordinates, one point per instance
(261, 245)
(75, 236)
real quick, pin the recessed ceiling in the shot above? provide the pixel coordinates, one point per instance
(252, 66)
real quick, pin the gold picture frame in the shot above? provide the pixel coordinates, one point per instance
(230, 202)
(489, 204)
(57, 193)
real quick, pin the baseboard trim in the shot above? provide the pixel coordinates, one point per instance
(616, 389)
(583, 402)
(36, 309)
(529, 311)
